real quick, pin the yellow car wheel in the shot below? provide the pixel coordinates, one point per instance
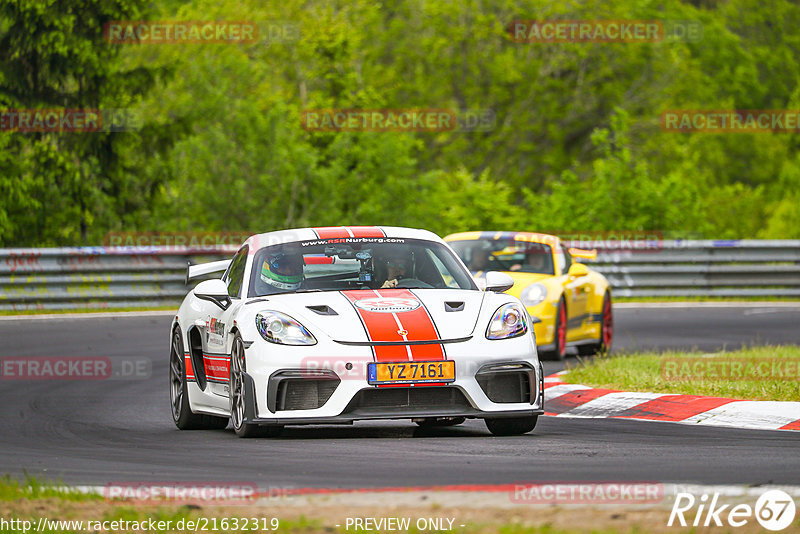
(603, 346)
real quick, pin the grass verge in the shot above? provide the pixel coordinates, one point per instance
(46, 508)
(12, 489)
(173, 307)
(656, 300)
(754, 373)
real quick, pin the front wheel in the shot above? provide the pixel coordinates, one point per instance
(514, 426)
(238, 397)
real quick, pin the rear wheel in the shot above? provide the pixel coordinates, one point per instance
(182, 414)
(559, 351)
(603, 346)
(238, 397)
(432, 422)
(511, 427)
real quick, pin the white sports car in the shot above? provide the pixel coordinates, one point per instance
(338, 324)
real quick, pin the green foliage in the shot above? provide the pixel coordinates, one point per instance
(68, 187)
(12, 489)
(749, 373)
(576, 144)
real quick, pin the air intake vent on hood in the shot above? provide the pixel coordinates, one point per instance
(323, 309)
(453, 306)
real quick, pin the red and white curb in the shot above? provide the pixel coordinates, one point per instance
(576, 400)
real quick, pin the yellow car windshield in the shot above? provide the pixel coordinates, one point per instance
(505, 255)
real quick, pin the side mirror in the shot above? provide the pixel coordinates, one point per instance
(577, 270)
(215, 291)
(498, 282)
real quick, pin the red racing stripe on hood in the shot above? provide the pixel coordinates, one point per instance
(396, 315)
(339, 232)
(366, 231)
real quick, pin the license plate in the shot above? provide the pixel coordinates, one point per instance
(411, 372)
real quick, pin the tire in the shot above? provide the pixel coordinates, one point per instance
(238, 397)
(603, 346)
(434, 422)
(182, 414)
(559, 351)
(511, 427)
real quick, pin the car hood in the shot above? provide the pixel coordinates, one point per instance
(384, 315)
(521, 280)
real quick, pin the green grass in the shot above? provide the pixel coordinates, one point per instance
(616, 299)
(173, 307)
(12, 489)
(705, 299)
(761, 373)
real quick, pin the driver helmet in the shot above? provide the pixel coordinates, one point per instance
(284, 271)
(397, 259)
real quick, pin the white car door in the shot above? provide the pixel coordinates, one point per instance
(216, 332)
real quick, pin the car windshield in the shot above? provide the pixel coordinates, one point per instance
(356, 263)
(505, 255)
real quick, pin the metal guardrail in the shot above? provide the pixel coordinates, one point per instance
(721, 268)
(98, 277)
(104, 277)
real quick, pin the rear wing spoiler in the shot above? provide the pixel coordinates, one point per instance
(195, 271)
(590, 255)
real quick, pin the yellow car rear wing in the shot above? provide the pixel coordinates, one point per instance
(590, 255)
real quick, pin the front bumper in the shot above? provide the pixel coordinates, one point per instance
(480, 390)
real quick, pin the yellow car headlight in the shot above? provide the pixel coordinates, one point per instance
(533, 294)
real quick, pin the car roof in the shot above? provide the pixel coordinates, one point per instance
(266, 239)
(531, 237)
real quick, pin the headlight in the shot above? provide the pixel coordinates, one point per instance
(510, 320)
(533, 294)
(277, 327)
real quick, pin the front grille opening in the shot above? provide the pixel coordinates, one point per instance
(304, 394)
(506, 387)
(414, 397)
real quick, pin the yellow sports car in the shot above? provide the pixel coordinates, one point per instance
(569, 303)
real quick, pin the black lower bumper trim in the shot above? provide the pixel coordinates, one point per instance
(350, 418)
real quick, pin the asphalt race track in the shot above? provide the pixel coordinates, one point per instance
(96, 432)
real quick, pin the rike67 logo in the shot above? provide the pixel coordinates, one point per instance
(774, 510)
